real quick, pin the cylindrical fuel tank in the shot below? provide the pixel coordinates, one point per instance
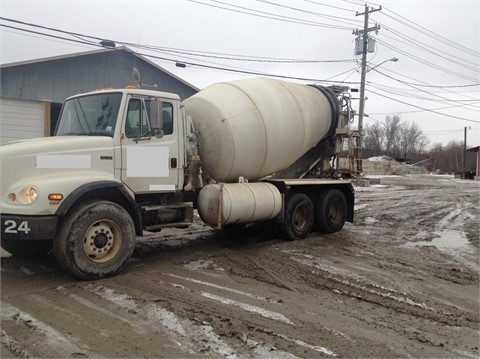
(231, 203)
(255, 127)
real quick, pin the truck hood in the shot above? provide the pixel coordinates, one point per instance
(55, 159)
(51, 145)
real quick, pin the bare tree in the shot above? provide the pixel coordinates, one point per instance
(395, 138)
(449, 158)
(391, 132)
(374, 138)
(411, 141)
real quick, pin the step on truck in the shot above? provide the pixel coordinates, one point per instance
(125, 161)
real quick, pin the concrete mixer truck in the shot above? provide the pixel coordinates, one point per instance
(125, 161)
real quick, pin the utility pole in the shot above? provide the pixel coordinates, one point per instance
(364, 32)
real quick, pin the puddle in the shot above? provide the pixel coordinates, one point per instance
(446, 241)
(454, 243)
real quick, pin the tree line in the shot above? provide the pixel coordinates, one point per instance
(406, 142)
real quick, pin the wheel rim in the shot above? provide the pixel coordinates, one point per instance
(300, 218)
(335, 212)
(102, 241)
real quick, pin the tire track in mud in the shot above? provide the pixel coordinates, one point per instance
(236, 316)
(309, 270)
(84, 327)
(249, 265)
(356, 287)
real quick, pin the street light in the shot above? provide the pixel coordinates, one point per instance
(394, 59)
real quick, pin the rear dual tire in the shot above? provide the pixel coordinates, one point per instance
(330, 211)
(298, 217)
(328, 215)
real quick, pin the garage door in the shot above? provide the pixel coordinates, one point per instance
(20, 119)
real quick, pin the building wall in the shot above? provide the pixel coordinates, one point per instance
(31, 92)
(56, 79)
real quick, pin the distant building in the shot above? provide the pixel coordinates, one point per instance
(477, 150)
(32, 92)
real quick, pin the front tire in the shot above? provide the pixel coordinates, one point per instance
(331, 211)
(298, 217)
(95, 240)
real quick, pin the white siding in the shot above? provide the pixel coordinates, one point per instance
(20, 119)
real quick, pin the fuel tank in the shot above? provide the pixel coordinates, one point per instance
(231, 203)
(255, 127)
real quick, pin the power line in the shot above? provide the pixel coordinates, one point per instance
(419, 28)
(431, 34)
(412, 85)
(405, 93)
(243, 58)
(247, 72)
(429, 64)
(421, 90)
(424, 47)
(435, 91)
(220, 68)
(50, 35)
(425, 109)
(338, 18)
(330, 6)
(414, 111)
(233, 57)
(266, 15)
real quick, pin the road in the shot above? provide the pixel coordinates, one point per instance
(401, 281)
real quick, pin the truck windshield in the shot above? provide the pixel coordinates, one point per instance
(92, 115)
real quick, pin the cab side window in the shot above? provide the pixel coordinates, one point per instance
(137, 119)
(167, 109)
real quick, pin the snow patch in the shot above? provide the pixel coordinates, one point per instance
(249, 308)
(180, 329)
(212, 285)
(380, 159)
(370, 220)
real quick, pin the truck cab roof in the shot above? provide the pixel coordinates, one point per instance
(132, 91)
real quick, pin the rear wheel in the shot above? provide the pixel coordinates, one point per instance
(330, 211)
(96, 240)
(298, 218)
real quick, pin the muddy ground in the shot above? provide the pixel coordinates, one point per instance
(402, 281)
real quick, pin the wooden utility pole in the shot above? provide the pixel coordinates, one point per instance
(364, 32)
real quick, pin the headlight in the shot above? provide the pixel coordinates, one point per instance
(23, 195)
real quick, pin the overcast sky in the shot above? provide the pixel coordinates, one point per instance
(437, 44)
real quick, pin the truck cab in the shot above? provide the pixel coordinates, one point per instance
(118, 146)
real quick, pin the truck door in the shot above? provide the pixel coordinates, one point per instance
(149, 161)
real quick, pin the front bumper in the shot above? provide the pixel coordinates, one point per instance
(15, 227)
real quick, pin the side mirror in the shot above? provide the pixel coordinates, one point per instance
(156, 118)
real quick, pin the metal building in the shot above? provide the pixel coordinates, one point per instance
(31, 93)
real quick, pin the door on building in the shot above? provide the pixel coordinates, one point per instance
(21, 119)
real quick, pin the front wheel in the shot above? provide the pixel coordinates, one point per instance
(330, 211)
(298, 217)
(95, 240)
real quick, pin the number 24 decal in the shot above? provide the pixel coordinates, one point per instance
(11, 227)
